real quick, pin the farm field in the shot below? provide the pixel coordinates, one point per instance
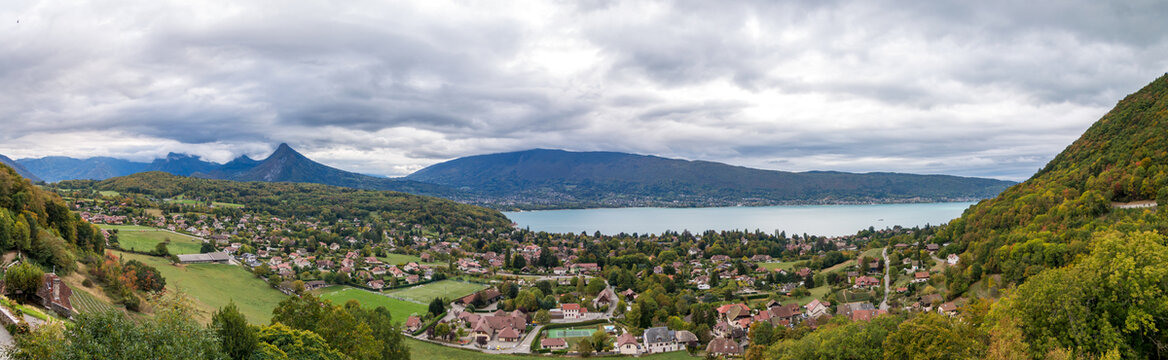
(83, 302)
(213, 285)
(448, 289)
(213, 203)
(397, 308)
(141, 238)
(424, 350)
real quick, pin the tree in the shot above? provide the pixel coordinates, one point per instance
(236, 337)
(601, 341)
(172, 334)
(1006, 342)
(23, 279)
(206, 248)
(280, 342)
(442, 330)
(1116, 297)
(542, 317)
(585, 348)
(161, 249)
(437, 306)
(933, 336)
(595, 286)
(518, 262)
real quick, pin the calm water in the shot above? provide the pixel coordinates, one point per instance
(828, 220)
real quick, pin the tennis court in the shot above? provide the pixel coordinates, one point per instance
(569, 333)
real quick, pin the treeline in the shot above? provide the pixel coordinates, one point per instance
(1048, 221)
(1109, 305)
(309, 200)
(39, 224)
(303, 328)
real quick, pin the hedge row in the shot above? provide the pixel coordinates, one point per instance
(429, 324)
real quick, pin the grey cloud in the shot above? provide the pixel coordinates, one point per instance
(969, 88)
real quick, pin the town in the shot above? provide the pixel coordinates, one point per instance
(517, 291)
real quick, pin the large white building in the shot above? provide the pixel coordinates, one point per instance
(661, 339)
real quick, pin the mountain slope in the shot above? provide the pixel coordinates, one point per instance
(288, 198)
(609, 178)
(288, 165)
(57, 168)
(1048, 220)
(40, 225)
(21, 170)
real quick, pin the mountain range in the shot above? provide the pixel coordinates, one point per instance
(541, 178)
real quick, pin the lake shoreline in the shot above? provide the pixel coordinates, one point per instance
(814, 219)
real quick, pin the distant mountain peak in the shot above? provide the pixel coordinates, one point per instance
(285, 151)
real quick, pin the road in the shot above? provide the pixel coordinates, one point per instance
(887, 269)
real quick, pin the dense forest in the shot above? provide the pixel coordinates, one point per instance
(308, 200)
(39, 224)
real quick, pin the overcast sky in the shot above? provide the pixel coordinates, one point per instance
(979, 88)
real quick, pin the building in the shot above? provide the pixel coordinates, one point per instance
(605, 298)
(661, 339)
(953, 259)
(920, 277)
(413, 323)
(217, 257)
(724, 347)
(55, 295)
(553, 344)
(817, 308)
(572, 311)
(627, 344)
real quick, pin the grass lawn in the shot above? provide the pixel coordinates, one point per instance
(397, 308)
(425, 350)
(213, 285)
(141, 238)
(816, 293)
(109, 193)
(448, 289)
(399, 259)
(786, 265)
(874, 253)
(840, 266)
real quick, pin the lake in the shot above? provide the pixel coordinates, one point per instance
(824, 220)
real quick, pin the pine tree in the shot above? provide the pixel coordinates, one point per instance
(237, 338)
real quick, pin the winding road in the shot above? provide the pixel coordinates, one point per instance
(887, 269)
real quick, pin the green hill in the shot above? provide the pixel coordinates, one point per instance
(1048, 220)
(557, 178)
(302, 199)
(39, 224)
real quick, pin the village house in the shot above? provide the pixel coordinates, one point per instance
(572, 311)
(920, 277)
(661, 339)
(627, 344)
(724, 347)
(953, 259)
(55, 295)
(413, 323)
(553, 344)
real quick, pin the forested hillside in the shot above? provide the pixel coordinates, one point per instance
(556, 178)
(308, 200)
(39, 224)
(1050, 219)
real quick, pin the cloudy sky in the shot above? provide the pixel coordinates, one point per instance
(980, 88)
